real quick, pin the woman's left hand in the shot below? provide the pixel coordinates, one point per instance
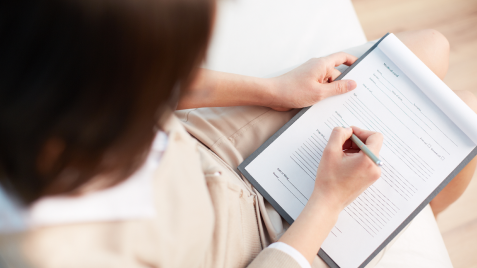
(310, 82)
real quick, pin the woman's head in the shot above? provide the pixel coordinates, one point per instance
(84, 82)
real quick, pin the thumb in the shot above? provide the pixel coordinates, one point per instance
(338, 87)
(374, 142)
(337, 138)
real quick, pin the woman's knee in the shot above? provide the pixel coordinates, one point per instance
(431, 47)
(468, 97)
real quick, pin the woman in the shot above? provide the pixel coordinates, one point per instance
(109, 177)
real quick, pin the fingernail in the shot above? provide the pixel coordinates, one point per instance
(351, 85)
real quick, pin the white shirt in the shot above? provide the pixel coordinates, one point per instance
(103, 205)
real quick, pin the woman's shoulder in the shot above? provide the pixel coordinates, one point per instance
(161, 212)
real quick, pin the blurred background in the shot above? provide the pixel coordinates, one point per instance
(457, 20)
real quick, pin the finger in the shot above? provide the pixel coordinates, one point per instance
(341, 58)
(354, 145)
(281, 109)
(351, 151)
(362, 134)
(348, 145)
(334, 73)
(337, 87)
(337, 138)
(373, 140)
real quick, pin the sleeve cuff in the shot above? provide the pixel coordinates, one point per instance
(295, 254)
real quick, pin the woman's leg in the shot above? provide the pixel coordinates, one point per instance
(233, 133)
(433, 49)
(458, 185)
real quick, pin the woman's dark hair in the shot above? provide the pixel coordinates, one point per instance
(83, 83)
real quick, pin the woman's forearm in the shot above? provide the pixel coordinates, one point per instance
(301, 87)
(311, 227)
(218, 89)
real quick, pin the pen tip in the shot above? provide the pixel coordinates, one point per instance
(379, 163)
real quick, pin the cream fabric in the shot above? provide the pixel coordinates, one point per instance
(292, 252)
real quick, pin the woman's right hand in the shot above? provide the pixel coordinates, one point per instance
(345, 171)
(343, 174)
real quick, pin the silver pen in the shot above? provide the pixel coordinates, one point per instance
(366, 150)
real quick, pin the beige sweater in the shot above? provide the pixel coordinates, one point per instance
(207, 216)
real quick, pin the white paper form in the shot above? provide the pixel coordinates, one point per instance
(434, 88)
(422, 146)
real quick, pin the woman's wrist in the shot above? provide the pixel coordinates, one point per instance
(272, 93)
(312, 226)
(322, 206)
(326, 203)
(258, 92)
